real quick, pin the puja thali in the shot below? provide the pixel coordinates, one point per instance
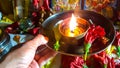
(77, 49)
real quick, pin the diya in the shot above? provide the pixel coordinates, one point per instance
(68, 31)
(73, 27)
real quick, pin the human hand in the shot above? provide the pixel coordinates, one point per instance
(24, 56)
(44, 54)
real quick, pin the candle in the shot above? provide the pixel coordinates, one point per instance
(73, 27)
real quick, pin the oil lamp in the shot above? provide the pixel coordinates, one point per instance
(73, 27)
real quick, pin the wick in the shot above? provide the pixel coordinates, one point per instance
(72, 31)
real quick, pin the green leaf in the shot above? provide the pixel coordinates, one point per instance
(57, 46)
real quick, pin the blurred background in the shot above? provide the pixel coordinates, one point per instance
(17, 9)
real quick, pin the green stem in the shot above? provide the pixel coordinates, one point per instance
(57, 46)
(105, 66)
(48, 64)
(87, 47)
(118, 51)
(85, 66)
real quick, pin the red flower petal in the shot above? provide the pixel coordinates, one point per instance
(93, 33)
(77, 63)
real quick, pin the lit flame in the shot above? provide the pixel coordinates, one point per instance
(73, 23)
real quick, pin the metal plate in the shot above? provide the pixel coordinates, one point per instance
(78, 49)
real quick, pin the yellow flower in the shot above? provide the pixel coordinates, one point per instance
(110, 49)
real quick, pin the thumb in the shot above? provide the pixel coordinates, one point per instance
(33, 44)
(27, 51)
(30, 47)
